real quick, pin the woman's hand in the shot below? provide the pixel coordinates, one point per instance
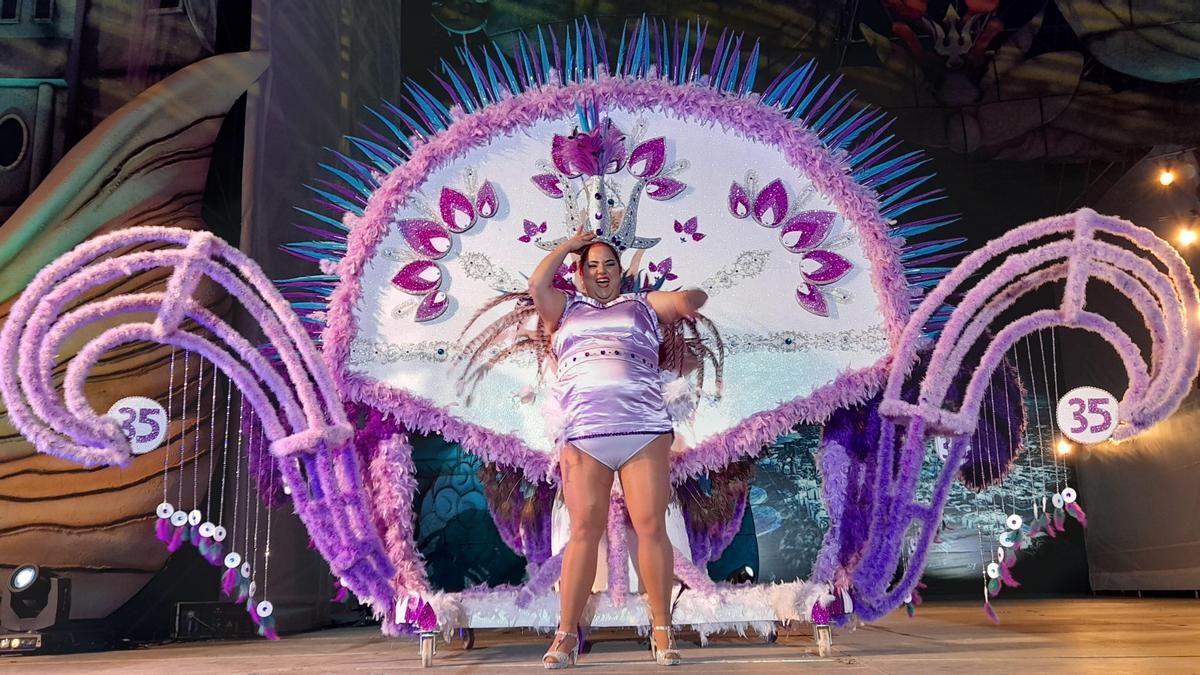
(580, 239)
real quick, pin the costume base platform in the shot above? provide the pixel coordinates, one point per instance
(1051, 635)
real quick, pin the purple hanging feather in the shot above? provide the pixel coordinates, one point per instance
(216, 553)
(991, 613)
(229, 581)
(1076, 512)
(190, 535)
(203, 546)
(342, 593)
(993, 587)
(162, 530)
(250, 608)
(243, 588)
(1060, 520)
(1007, 577)
(912, 611)
(176, 540)
(268, 628)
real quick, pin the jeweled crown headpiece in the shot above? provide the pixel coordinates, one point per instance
(582, 173)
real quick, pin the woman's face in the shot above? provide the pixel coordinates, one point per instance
(600, 272)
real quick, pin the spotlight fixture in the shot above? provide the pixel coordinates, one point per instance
(22, 578)
(1166, 176)
(35, 600)
(1187, 236)
(1063, 448)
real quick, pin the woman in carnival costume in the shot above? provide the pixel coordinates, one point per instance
(606, 344)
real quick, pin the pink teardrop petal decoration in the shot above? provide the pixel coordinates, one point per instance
(647, 159)
(831, 267)
(805, 230)
(812, 299)
(432, 306)
(661, 189)
(739, 201)
(486, 202)
(426, 237)
(771, 205)
(418, 277)
(457, 212)
(558, 156)
(548, 183)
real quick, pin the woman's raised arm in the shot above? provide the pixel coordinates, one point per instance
(548, 301)
(671, 306)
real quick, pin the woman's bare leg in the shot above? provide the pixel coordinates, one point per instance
(587, 486)
(646, 482)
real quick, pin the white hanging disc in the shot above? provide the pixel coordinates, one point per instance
(1069, 496)
(1015, 521)
(908, 598)
(194, 517)
(165, 510)
(179, 519)
(233, 559)
(993, 571)
(1007, 539)
(1057, 500)
(142, 420)
(1087, 415)
(264, 609)
(253, 588)
(1000, 553)
(219, 533)
(287, 491)
(206, 529)
(246, 570)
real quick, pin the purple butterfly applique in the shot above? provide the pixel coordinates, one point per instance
(663, 269)
(690, 228)
(532, 230)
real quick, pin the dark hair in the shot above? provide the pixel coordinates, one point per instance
(583, 253)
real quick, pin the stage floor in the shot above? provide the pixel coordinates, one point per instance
(1047, 636)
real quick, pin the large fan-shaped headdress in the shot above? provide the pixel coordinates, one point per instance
(783, 205)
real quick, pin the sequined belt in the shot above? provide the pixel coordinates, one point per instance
(578, 356)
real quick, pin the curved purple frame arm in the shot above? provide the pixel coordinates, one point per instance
(1076, 248)
(301, 411)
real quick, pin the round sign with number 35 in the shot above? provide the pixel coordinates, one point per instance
(143, 420)
(1087, 415)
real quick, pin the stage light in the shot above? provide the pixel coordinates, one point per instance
(36, 600)
(23, 577)
(1166, 177)
(1063, 448)
(1187, 236)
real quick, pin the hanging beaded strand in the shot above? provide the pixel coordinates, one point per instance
(233, 560)
(265, 609)
(208, 527)
(162, 526)
(179, 517)
(195, 516)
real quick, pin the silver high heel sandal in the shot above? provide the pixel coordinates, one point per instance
(670, 655)
(556, 660)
